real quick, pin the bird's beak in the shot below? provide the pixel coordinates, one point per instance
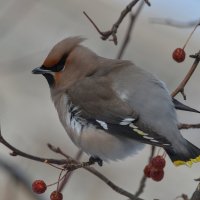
(40, 70)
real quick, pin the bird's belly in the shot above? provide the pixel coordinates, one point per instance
(97, 142)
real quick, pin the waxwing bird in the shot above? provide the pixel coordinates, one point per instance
(111, 108)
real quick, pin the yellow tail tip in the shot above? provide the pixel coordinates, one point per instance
(188, 163)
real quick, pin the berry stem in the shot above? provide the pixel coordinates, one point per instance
(58, 180)
(159, 150)
(164, 154)
(52, 165)
(191, 35)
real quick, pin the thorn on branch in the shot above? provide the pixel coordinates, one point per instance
(13, 154)
(196, 56)
(53, 148)
(183, 93)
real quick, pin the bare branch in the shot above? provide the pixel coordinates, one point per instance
(69, 174)
(17, 152)
(144, 178)
(180, 88)
(141, 186)
(188, 126)
(133, 18)
(111, 184)
(113, 31)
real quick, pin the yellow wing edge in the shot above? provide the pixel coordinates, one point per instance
(188, 163)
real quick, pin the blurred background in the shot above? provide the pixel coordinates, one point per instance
(28, 30)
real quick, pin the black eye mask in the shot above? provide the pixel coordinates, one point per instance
(58, 67)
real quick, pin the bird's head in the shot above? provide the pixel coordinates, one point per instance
(65, 63)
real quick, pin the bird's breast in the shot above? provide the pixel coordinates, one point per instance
(69, 116)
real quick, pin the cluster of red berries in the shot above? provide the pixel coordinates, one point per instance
(155, 169)
(39, 187)
(179, 54)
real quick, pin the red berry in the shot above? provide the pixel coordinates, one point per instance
(147, 170)
(157, 174)
(179, 55)
(39, 186)
(158, 162)
(55, 195)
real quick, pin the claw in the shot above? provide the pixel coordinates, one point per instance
(96, 160)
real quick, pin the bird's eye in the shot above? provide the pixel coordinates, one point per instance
(58, 67)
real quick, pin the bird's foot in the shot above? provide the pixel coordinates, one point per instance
(97, 160)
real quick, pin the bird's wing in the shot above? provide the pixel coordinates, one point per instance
(99, 104)
(97, 100)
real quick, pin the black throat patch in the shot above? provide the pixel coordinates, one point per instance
(50, 79)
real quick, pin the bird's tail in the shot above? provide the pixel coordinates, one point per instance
(192, 155)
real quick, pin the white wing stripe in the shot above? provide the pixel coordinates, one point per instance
(126, 121)
(103, 124)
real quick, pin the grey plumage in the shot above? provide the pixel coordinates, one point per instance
(108, 107)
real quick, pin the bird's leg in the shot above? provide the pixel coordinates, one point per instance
(97, 160)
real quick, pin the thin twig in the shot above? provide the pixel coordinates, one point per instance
(17, 152)
(69, 174)
(144, 178)
(141, 186)
(111, 184)
(58, 150)
(113, 31)
(133, 18)
(181, 86)
(153, 148)
(188, 126)
(191, 35)
(71, 164)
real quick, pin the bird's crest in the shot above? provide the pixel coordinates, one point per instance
(61, 49)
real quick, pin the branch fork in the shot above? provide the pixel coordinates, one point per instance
(113, 31)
